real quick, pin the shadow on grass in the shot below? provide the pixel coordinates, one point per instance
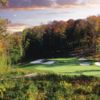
(82, 72)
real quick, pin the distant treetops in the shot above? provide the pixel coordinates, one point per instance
(55, 39)
(61, 38)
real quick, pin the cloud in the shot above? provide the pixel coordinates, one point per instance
(93, 1)
(28, 3)
(89, 1)
(76, 2)
(38, 4)
(64, 2)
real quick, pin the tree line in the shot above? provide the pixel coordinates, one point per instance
(55, 39)
(62, 38)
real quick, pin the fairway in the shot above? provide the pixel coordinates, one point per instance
(66, 66)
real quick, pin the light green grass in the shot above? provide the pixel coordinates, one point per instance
(67, 66)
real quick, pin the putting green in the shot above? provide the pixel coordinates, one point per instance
(67, 66)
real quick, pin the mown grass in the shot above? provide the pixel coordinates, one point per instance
(66, 66)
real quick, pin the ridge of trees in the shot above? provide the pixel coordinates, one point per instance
(62, 38)
(56, 39)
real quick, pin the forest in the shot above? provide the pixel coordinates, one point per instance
(59, 38)
(56, 39)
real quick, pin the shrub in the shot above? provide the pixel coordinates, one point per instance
(46, 87)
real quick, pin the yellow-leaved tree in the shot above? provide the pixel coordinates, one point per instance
(3, 2)
(4, 58)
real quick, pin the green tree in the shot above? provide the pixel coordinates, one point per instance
(32, 42)
(15, 47)
(54, 37)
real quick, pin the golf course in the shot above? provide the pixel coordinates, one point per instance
(49, 50)
(63, 66)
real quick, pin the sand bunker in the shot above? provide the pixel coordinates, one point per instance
(42, 61)
(85, 64)
(49, 62)
(39, 61)
(82, 59)
(97, 63)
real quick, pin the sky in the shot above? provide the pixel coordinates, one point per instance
(36, 12)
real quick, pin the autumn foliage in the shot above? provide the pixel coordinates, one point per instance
(62, 38)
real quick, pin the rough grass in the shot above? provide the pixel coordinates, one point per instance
(66, 66)
(7, 70)
(4, 65)
(51, 87)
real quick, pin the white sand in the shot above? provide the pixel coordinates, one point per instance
(82, 59)
(39, 61)
(42, 61)
(85, 64)
(49, 62)
(97, 63)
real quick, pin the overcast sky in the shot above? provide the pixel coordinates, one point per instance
(35, 12)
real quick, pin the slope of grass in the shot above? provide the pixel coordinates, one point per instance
(67, 66)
